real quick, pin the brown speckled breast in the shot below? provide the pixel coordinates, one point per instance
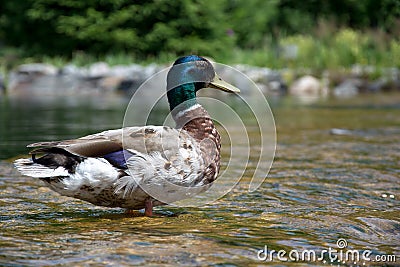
(199, 125)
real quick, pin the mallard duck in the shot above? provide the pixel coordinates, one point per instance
(138, 167)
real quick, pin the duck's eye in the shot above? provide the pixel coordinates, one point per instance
(192, 71)
(149, 131)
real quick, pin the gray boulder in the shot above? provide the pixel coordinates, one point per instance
(348, 88)
(306, 86)
(27, 74)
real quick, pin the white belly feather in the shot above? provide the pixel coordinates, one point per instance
(93, 172)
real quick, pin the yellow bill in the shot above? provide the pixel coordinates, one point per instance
(220, 84)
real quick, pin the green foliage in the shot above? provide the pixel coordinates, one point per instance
(343, 48)
(252, 21)
(144, 28)
(325, 33)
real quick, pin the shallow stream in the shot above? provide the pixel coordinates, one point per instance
(336, 175)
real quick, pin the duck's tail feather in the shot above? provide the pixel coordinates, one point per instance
(30, 168)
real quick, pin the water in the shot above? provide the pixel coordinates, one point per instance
(322, 187)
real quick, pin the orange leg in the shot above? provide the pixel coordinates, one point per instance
(133, 213)
(148, 207)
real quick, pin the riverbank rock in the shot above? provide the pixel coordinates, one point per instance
(348, 88)
(37, 69)
(308, 89)
(26, 74)
(94, 79)
(101, 78)
(2, 85)
(253, 78)
(98, 70)
(306, 86)
(392, 76)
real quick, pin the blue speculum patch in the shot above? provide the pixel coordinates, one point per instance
(119, 158)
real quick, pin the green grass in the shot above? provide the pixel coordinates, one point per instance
(343, 48)
(334, 49)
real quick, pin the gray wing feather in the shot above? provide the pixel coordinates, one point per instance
(147, 139)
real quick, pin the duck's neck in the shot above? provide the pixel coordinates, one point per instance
(190, 115)
(182, 97)
(183, 104)
(187, 113)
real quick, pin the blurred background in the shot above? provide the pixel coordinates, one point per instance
(348, 44)
(276, 33)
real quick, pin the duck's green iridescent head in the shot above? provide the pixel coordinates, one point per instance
(188, 75)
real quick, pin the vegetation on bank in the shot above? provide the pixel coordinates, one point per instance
(276, 33)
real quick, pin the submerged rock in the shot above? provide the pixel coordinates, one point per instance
(339, 131)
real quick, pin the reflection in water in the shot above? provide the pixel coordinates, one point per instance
(321, 187)
(24, 121)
